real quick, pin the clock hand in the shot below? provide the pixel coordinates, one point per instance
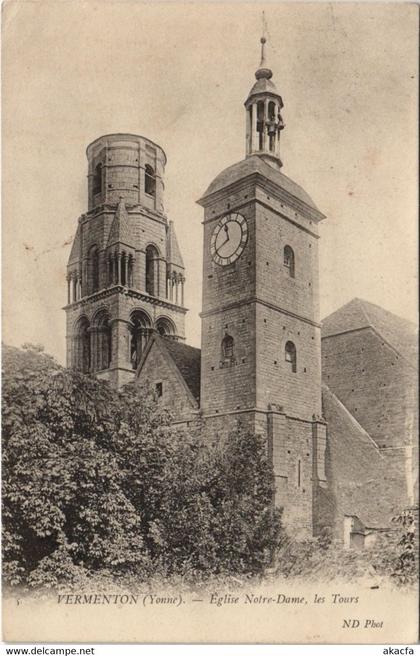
(222, 244)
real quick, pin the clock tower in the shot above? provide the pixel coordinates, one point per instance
(261, 344)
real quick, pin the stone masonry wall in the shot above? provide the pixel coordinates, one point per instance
(376, 385)
(174, 396)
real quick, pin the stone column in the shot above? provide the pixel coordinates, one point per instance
(130, 267)
(162, 278)
(93, 348)
(176, 288)
(170, 287)
(254, 135)
(119, 269)
(126, 270)
(182, 290)
(68, 278)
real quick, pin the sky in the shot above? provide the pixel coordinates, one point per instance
(179, 75)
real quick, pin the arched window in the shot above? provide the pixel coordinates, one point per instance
(97, 179)
(152, 264)
(228, 344)
(140, 332)
(149, 180)
(290, 355)
(289, 260)
(83, 359)
(103, 342)
(165, 327)
(94, 270)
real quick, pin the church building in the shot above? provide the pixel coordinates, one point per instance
(340, 435)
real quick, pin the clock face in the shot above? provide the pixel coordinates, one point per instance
(229, 239)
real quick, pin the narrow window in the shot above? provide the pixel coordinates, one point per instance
(149, 180)
(151, 271)
(97, 179)
(260, 123)
(289, 260)
(227, 347)
(83, 357)
(290, 355)
(159, 390)
(298, 473)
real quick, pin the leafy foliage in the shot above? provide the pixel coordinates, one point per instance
(392, 556)
(98, 482)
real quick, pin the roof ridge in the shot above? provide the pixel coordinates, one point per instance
(361, 302)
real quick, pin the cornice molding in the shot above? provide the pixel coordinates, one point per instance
(280, 193)
(125, 291)
(261, 301)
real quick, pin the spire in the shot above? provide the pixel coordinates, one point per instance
(263, 42)
(120, 229)
(263, 71)
(264, 120)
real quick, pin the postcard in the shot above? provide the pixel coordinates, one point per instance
(209, 322)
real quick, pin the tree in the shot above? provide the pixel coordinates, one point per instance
(98, 482)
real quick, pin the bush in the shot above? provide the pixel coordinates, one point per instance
(392, 556)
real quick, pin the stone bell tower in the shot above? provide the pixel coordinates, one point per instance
(261, 344)
(125, 272)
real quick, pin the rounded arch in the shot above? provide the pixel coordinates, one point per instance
(165, 326)
(140, 328)
(290, 355)
(98, 314)
(139, 316)
(80, 319)
(228, 347)
(289, 260)
(155, 247)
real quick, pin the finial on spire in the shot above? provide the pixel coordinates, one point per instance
(263, 41)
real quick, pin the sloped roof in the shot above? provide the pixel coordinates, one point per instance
(398, 332)
(255, 164)
(120, 229)
(174, 253)
(359, 475)
(263, 85)
(188, 361)
(75, 249)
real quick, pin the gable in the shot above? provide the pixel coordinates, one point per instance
(158, 368)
